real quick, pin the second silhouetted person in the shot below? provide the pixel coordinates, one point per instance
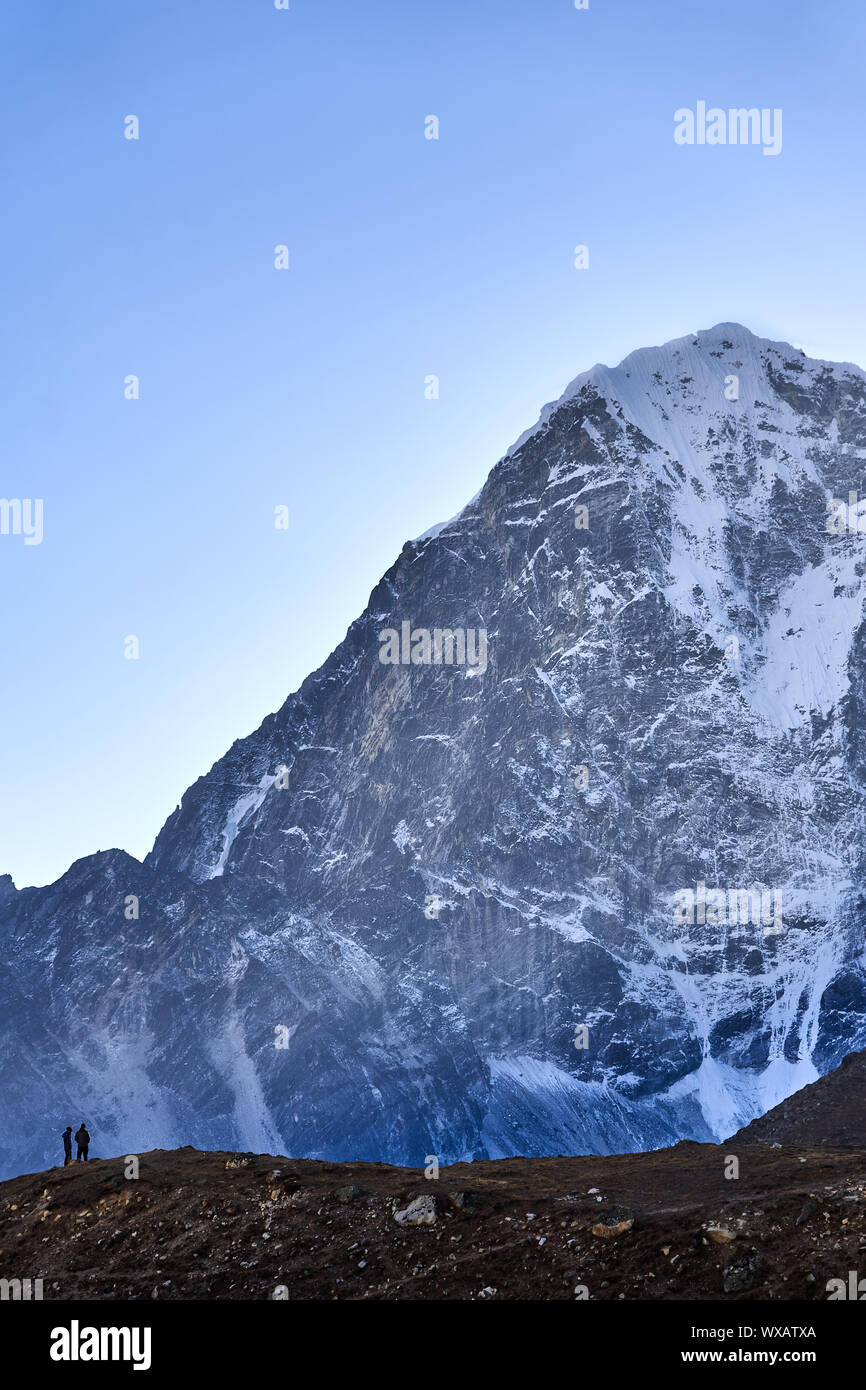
(82, 1139)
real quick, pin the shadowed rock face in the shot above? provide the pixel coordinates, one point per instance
(429, 876)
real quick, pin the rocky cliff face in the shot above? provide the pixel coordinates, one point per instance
(511, 903)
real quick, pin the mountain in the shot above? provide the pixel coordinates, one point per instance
(830, 1112)
(378, 926)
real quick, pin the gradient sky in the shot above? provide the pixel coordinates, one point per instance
(306, 387)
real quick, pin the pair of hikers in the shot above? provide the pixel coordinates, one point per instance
(82, 1139)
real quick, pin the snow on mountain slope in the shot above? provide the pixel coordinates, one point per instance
(459, 868)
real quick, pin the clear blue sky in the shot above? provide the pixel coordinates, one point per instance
(306, 387)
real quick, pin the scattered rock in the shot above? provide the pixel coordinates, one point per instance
(464, 1201)
(720, 1235)
(349, 1193)
(617, 1228)
(740, 1275)
(421, 1212)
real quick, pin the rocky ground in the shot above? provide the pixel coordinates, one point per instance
(662, 1225)
(832, 1112)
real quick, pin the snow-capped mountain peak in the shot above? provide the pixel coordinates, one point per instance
(561, 848)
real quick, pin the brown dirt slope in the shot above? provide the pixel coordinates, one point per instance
(199, 1225)
(830, 1111)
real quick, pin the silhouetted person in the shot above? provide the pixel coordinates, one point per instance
(66, 1136)
(82, 1139)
